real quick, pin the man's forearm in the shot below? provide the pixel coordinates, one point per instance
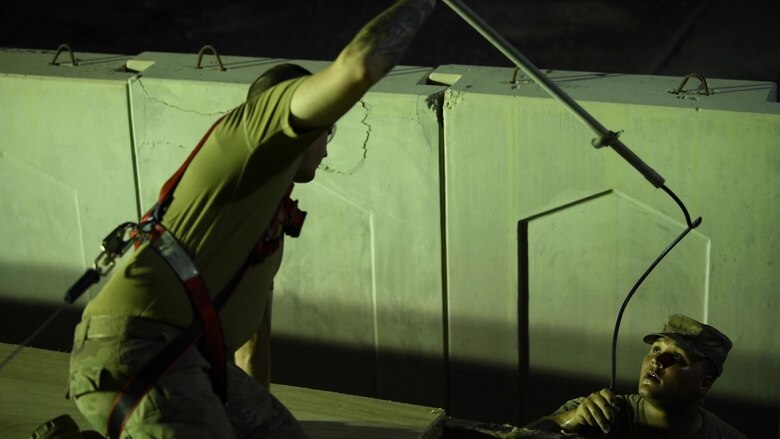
(384, 39)
(324, 97)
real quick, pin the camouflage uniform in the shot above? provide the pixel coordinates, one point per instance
(696, 338)
(107, 351)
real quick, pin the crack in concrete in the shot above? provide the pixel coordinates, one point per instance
(368, 128)
(148, 94)
(155, 143)
(148, 146)
(364, 157)
(433, 103)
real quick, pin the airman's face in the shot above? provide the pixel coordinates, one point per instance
(312, 158)
(671, 375)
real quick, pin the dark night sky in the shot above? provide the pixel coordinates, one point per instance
(717, 38)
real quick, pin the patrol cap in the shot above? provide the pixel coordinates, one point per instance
(696, 337)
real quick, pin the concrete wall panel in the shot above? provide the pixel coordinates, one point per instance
(67, 171)
(586, 257)
(465, 248)
(367, 268)
(512, 154)
(725, 165)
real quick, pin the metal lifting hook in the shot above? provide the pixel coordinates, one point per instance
(113, 246)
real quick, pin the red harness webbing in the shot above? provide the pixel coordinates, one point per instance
(207, 328)
(166, 193)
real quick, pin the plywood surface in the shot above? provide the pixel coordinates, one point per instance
(32, 390)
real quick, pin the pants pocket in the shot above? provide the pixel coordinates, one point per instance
(93, 389)
(90, 379)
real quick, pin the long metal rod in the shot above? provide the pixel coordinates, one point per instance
(613, 379)
(605, 137)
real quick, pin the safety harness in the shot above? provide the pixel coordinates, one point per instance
(206, 329)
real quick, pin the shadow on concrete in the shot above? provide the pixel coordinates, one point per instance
(494, 394)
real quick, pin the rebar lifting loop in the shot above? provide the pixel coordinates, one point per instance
(514, 75)
(59, 50)
(701, 79)
(214, 51)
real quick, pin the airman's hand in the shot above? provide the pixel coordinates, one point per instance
(598, 410)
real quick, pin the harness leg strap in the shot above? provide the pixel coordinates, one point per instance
(207, 328)
(181, 263)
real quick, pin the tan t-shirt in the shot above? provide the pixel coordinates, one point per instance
(221, 208)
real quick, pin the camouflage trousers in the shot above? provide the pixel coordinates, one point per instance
(108, 351)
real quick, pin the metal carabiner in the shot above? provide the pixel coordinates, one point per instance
(114, 245)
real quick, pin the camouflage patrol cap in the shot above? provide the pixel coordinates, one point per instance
(696, 337)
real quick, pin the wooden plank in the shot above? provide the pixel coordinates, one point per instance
(32, 390)
(464, 428)
(330, 415)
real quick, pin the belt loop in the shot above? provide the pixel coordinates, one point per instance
(82, 329)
